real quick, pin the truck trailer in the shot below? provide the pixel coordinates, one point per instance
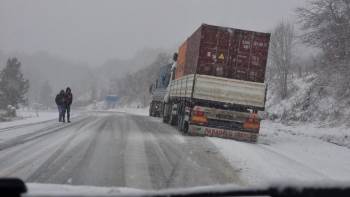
(217, 83)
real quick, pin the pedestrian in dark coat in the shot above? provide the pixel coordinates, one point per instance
(68, 101)
(60, 102)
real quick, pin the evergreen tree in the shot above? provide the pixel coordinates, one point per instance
(13, 86)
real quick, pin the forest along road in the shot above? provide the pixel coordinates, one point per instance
(112, 149)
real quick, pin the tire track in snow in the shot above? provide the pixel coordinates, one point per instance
(25, 125)
(38, 175)
(164, 152)
(28, 161)
(21, 139)
(136, 163)
(193, 161)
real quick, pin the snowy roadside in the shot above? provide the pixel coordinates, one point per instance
(27, 117)
(290, 153)
(32, 117)
(337, 135)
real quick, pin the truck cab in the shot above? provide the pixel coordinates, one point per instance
(158, 91)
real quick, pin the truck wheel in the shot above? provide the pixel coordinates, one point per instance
(161, 111)
(182, 125)
(173, 120)
(185, 128)
(181, 118)
(166, 114)
(165, 117)
(180, 122)
(151, 109)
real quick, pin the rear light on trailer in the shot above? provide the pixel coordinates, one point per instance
(198, 116)
(252, 122)
(198, 113)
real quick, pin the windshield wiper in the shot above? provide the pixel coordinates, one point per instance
(12, 187)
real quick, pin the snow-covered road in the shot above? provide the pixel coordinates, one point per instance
(125, 150)
(111, 149)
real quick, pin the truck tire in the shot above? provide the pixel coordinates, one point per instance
(186, 126)
(173, 120)
(161, 111)
(181, 117)
(179, 122)
(151, 113)
(172, 117)
(182, 123)
(165, 114)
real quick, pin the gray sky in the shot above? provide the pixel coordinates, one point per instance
(94, 31)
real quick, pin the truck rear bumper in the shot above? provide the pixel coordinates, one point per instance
(222, 133)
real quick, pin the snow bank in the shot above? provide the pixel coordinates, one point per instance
(298, 93)
(308, 100)
(290, 154)
(338, 135)
(28, 117)
(25, 117)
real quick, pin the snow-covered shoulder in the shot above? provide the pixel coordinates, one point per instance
(297, 153)
(26, 117)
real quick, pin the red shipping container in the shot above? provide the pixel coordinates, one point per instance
(224, 52)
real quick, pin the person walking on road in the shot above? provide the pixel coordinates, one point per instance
(68, 101)
(60, 102)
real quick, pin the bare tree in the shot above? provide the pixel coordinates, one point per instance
(281, 54)
(327, 26)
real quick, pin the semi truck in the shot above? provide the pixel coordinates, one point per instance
(217, 84)
(158, 91)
